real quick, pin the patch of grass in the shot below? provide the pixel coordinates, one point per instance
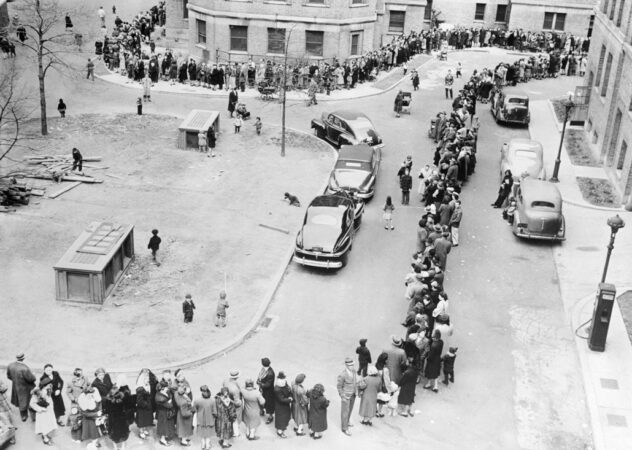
(598, 192)
(625, 305)
(578, 150)
(558, 108)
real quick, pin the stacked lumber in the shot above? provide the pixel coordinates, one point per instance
(52, 167)
(14, 193)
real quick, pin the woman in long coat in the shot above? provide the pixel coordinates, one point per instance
(165, 414)
(42, 404)
(225, 417)
(206, 411)
(117, 405)
(184, 422)
(433, 361)
(317, 411)
(52, 377)
(89, 403)
(385, 380)
(282, 405)
(144, 412)
(102, 382)
(300, 402)
(253, 402)
(406, 397)
(399, 101)
(368, 403)
(76, 386)
(266, 386)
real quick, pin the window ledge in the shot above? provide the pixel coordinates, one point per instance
(240, 1)
(315, 5)
(202, 46)
(479, 20)
(359, 5)
(275, 2)
(238, 52)
(501, 22)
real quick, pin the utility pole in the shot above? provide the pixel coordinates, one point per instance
(287, 43)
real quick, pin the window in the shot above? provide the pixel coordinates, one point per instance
(201, 31)
(358, 2)
(554, 21)
(428, 10)
(591, 78)
(612, 8)
(396, 21)
(604, 6)
(479, 14)
(276, 40)
(185, 10)
(501, 13)
(317, 2)
(560, 21)
(606, 76)
(591, 25)
(314, 42)
(602, 58)
(619, 16)
(238, 38)
(355, 44)
(622, 152)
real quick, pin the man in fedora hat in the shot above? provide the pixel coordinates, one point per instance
(234, 390)
(347, 389)
(396, 361)
(23, 382)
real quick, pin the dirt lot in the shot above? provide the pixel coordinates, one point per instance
(207, 211)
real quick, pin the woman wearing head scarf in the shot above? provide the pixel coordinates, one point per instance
(253, 402)
(206, 411)
(300, 402)
(385, 381)
(165, 414)
(102, 381)
(369, 388)
(146, 383)
(42, 404)
(282, 405)
(52, 377)
(89, 403)
(317, 413)
(225, 417)
(184, 419)
(266, 386)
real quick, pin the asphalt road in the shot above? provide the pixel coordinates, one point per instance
(517, 382)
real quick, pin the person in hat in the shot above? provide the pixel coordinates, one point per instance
(184, 417)
(406, 184)
(265, 381)
(443, 245)
(154, 245)
(222, 306)
(165, 414)
(205, 410)
(347, 390)
(225, 417)
(364, 357)
(448, 365)
(253, 402)
(235, 394)
(300, 403)
(396, 359)
(102, 382)
(23, 382)
(282, 404)
(369, 387)
(455, 222)
(52, 377)
(42, 404)
(187, 308)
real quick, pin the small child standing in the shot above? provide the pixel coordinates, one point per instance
(202, 142)
(364, 357)
(258, 125)
(388, 214)
(458, 70)
(154, 245)
(392, 403)
(448, 365)
(237, 122)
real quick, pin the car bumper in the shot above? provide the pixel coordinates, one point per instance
(322, 263)
(522, 233)
(319, 259)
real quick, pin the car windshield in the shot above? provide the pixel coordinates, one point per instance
(518, 101)
(542, 204)
(353, 165)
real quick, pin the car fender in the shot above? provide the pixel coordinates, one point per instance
(318, 124)
(346, 139)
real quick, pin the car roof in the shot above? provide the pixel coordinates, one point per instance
(349, 114)
(332, 200)
(360, 152)
(525, 144)
(535, 190)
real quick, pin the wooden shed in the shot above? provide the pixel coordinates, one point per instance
(94, 263)
(197, 121)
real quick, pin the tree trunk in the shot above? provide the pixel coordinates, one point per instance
(42, 90)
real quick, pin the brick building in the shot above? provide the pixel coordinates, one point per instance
(609, 76)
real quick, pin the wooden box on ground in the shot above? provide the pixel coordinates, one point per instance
(94, 263)
(197, 121)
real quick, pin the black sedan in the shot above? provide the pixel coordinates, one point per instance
(346, 127)
(356, 171)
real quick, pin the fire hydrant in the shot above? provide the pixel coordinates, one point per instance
(139, 106)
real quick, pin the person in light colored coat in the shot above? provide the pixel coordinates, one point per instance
(299, 405)
(369, 387)
(235, 394)
(206, 410)
(253, 402)
(396, 359)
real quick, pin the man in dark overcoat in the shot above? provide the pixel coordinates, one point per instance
(23, 383)
(233, 98)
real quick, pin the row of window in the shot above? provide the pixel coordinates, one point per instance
(600, 71)
(314, 40)
(501, 12)
(613, 10)
(552, 21)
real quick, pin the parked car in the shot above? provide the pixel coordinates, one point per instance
(328, 231)
(355, 171)
(539, 211)
(522, 157)
(346, 127)
(510, 108)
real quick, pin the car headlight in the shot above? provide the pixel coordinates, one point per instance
(299, 239)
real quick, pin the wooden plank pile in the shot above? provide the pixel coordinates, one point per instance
(60, 166)
(14, 193)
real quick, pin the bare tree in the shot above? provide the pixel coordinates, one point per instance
(12, 110)
(47, 39)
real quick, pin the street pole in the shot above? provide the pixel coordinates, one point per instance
(287, 43)
(615, 224)
(568, 106)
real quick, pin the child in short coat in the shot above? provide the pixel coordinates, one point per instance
(238, 122)
(448, 365)
(392, 403)
(258, 125)
(364, 357)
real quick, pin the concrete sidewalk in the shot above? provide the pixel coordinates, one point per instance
(607, 376)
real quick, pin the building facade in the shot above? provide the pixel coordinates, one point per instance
(609, 77)
(4, 15)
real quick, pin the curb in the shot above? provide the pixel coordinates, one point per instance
(235, 342)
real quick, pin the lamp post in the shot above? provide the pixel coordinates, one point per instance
(287, 43)
(615, 223)
(568, 106)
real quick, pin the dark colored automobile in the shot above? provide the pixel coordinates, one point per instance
(328, 231)
(346, 127)
(510, 108)
(356, 171)
(539, 211)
